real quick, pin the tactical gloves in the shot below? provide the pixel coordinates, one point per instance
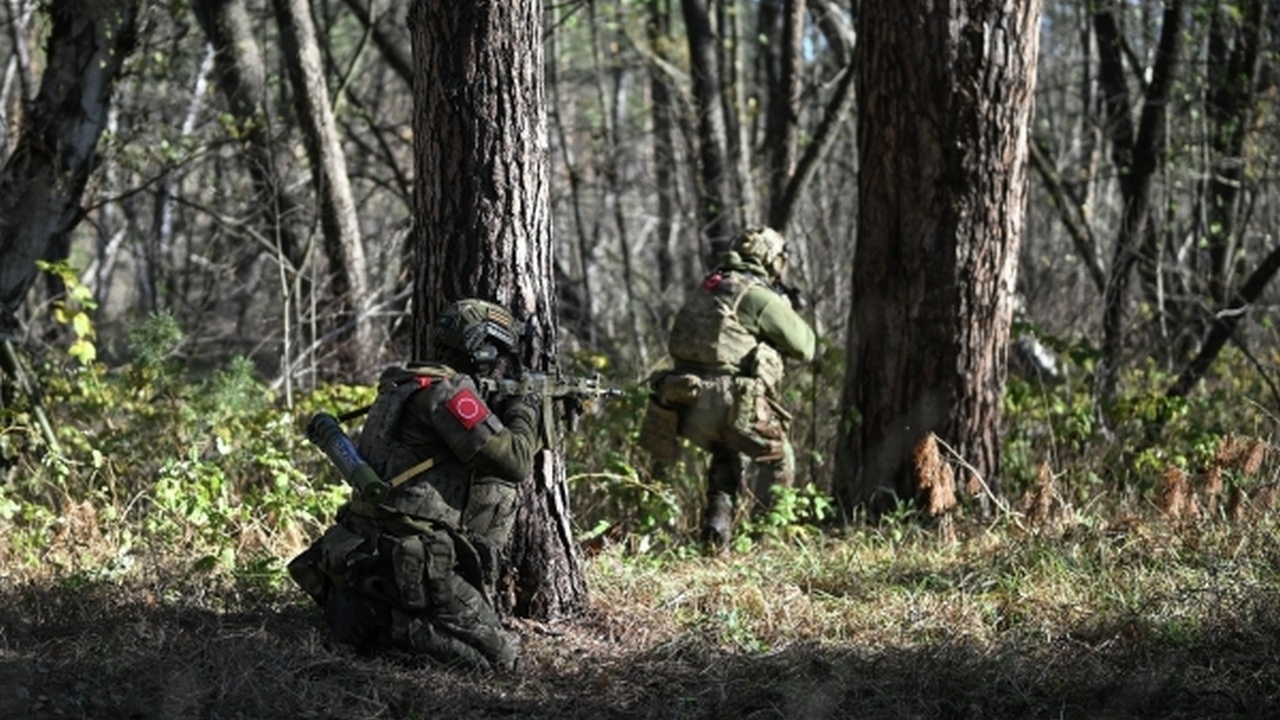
(523, 414)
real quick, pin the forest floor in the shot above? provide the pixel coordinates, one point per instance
(996, 628)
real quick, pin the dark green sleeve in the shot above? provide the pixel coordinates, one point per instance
(508, 455)
(769, 316)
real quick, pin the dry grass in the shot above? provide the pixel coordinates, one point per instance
(1151, 619)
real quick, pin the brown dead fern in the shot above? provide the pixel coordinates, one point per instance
(1042, 503)
(934, 478)
(1177, 500)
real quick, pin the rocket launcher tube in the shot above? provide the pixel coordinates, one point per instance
(325, 433)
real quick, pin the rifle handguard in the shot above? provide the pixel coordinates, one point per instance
(574, 393)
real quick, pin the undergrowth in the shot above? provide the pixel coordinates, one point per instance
(213, 464)
(1143, 551)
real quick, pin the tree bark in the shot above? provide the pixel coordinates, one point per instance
(1137, 155)
(716, 222)
(42, 181)
(483, 229)
(242, 78)
(946, 97)
(339, 225)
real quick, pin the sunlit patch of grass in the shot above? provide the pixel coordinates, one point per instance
(1148, 585)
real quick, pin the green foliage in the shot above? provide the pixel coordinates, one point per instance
(793, 514)
(155, 341)
(617, 490)
(206, 464)
(73, 310)
(1147, 431)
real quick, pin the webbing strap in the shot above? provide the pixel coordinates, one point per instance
(421, 467)
(353, 414)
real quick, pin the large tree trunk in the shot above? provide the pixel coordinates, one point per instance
(339, 226)
(483, 229)
(946, 97)
(42, 181)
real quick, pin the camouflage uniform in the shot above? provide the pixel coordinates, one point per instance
(416, 571)
(728, 343)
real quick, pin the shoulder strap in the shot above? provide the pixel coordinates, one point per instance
(748, 281)
(416, 371)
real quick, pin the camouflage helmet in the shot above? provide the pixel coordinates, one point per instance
(476, 328)
(764, 245)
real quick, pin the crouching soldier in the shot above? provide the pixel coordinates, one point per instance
(415, 570)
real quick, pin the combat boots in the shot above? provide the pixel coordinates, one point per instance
(717, 523)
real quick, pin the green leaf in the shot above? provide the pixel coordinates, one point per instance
(84, 351)
(82, 325)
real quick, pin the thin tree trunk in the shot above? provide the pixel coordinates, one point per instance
(834, 115)
(242, 79)
(1137, 156)
(613, 84)
(716, 223)
(576, 297)
(1225, 322)
(1072, 215)
(743, 206)
(339, 225)
(783, 120)
(1233, 65)
(664, 151)
(392, 51)
(24, 69)
(790, 172)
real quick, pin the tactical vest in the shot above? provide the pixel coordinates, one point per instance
(707, 332)
(440, 491)
(376, 444)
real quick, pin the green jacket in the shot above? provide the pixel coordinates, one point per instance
(734, 310)
(432, 435)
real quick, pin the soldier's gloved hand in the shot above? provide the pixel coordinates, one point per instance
(523, 414)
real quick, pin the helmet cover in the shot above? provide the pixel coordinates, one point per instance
(468, 326)
(764, 245)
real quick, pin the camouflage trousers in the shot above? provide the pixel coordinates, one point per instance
(410, 586)
(745, 430)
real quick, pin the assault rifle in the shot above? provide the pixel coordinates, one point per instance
(325, 432)
(573, 393)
